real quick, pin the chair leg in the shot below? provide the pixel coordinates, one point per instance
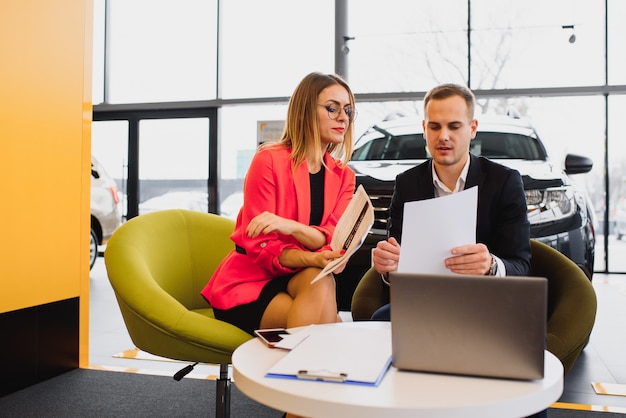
(222, 393)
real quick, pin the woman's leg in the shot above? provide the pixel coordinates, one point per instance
(304, 303)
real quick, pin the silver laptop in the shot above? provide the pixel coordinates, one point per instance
(469, 325)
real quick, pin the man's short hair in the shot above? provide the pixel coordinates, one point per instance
(444, 91)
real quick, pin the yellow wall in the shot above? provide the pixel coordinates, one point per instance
(45, 147)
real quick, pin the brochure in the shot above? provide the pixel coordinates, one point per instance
(351, 230)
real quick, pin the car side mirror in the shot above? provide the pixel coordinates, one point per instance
(577, 164)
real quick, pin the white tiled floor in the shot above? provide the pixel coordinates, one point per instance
(604, 359)
(108, 336)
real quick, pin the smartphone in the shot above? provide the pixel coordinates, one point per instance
(271, 336)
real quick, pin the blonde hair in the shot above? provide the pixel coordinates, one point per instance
(302, 124)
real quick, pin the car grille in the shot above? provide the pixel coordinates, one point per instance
(381, 203)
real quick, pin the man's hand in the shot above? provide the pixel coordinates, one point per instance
(386, 255)
(469, 259)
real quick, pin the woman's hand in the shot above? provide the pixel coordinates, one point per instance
(268, 222)
(299, 258)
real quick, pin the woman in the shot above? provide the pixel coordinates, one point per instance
(294, 193)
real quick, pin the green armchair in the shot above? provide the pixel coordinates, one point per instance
(157, 264)
(571, 301)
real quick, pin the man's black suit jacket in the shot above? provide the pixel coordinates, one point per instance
(502, 222)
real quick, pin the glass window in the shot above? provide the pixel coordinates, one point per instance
(267, 47)
(568, 125)
(162, 51)
(109, 145)
(239, 138)
(404, 45)
(371, 113)
(173, 164)
(573, 125)
(616, 34)
(617, 185)
(531, 43)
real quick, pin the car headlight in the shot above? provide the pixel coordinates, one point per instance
(550, 205)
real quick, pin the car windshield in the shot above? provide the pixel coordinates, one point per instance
(497, 145)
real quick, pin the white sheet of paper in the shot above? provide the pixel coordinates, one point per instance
(432, 227)
(335, 350)
(291, 340)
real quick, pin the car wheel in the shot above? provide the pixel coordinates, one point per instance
(93, 249)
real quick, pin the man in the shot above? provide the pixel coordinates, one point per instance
(502, 229)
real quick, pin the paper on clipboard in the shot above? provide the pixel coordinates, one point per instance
(351, 230)
(432, 227)
(334, 354)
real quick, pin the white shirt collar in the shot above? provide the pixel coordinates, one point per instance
(443, 190)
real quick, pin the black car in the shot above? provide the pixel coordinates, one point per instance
(560, 215)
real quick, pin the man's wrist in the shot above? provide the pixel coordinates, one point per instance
(493, 268)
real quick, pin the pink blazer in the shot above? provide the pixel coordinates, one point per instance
(271, 186)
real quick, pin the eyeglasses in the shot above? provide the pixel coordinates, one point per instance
(334, 112)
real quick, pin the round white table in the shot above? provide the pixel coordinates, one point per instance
(400, 394)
